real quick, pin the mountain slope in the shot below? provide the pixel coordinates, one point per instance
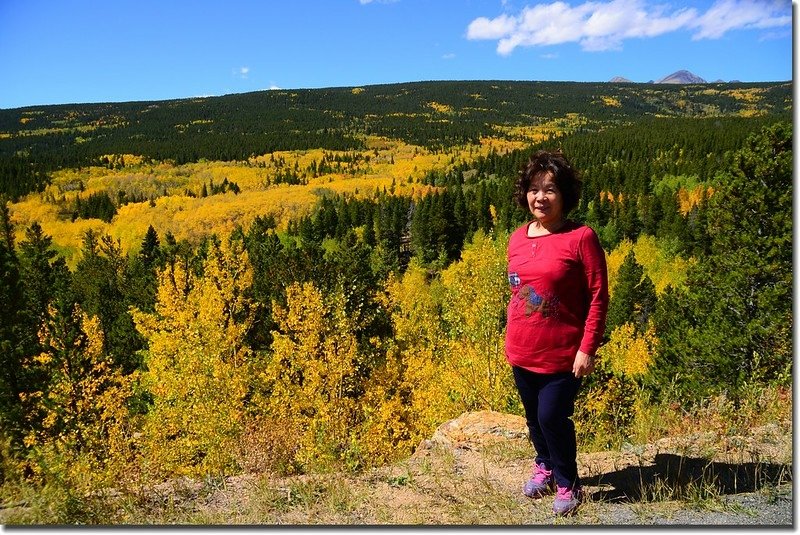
(424, 113)
(681, 77)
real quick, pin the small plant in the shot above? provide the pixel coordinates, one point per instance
(399, 481)
(312, 494)
(703, 495)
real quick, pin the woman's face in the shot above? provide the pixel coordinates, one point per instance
(544, 199)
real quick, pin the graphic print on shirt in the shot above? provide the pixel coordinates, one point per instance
(536, 303)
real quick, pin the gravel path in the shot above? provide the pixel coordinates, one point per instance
(772, 509)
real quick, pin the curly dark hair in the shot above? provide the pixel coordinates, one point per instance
(565, 176)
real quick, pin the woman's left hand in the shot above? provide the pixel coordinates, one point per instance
(583, 365)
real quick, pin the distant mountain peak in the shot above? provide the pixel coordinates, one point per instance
(620, 80)
(681, 77)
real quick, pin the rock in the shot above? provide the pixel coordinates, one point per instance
(477, 429)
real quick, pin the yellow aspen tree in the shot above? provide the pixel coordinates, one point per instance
(83, 435)
(407, 397)
(312, 375)
(614, 260)
(663, 269)
(614, 400)
(628, 353)
(476, 295)
(197, 364)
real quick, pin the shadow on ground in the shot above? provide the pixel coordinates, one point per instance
(676, 476)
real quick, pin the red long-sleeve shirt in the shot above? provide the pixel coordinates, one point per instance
(559, 301)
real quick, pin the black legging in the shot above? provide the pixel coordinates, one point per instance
(549, 401)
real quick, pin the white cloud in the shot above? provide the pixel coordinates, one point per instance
(780, 34)
(483, 28)
(726, 15)
(241, 72)
(598, 26)
(273, 87)
(549, 56)
(449, 55)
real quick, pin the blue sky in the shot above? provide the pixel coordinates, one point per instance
(71, 51)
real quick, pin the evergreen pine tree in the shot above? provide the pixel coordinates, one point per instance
(100, 282)
(633, 297)
(11, 323)
(149, 251)
(733, 325)
(746, 282)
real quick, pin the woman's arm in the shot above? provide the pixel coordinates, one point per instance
(594, 264)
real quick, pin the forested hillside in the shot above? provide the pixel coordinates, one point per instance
(316, 278)
(36, 140)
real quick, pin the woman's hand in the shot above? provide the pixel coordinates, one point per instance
(583, 365)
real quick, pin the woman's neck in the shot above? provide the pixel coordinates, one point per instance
(538, 228)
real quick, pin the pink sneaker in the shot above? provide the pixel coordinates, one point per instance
(568, 499)
(540, 483)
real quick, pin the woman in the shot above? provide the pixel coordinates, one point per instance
(556, 318)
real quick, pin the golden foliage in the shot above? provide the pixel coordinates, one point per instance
(476, 293)
(500, 144)
(750, 98)
(312, 376)
(440, 108)
(614, 399)
(688, 199)
(751, 112)
(604, 412)
(628, 353)
(447, 354)
(664, 270)
(750, 95)
(197, 364)
(612, 102)
(84, 435)
(614, 260)
(66, 234)
(386, 165)
(407, 397)
(123, 160)
(520, 137)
